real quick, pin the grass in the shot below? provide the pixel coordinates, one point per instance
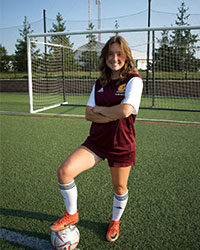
(159, 75)
(13, 75)
(20, 103)
(163, 207)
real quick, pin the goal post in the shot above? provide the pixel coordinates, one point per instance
(46, 75)
(63, 73)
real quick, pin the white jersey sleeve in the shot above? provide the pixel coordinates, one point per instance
(133, 93)
(91, 101)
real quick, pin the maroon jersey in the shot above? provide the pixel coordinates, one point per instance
(116, 137)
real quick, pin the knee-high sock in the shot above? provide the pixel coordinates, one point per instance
(70, 195)
(119, 204)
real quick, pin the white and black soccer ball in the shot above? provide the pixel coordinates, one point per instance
(67, 239)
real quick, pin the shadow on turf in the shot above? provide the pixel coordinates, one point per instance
(98, 228)
(27, 214)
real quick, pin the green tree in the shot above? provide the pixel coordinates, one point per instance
(89, 57)
(116, 26)
(164, 60)
(184, 43)
(4, 59)
(59, 26)
(91, 37)
(65, 53)
(21, 47)
(177, 51)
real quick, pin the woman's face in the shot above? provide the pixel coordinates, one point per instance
(115, 60)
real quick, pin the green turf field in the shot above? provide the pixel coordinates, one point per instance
(163, 208)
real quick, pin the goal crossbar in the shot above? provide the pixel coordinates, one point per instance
(196, 27)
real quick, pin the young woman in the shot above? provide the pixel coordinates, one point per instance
(112, 107)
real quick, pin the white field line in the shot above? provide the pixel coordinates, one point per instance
(42, 114)
(25, 240)
(82, 116)
(68, 115)
(170, 121)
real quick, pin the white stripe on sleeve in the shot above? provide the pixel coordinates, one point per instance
(133, 93)
(91, 101)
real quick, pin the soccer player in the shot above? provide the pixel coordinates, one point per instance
(112, 108)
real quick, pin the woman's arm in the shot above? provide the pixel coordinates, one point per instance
(90, 115)
(116, 112)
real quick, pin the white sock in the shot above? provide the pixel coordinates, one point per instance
(119, 204)
(70, 195)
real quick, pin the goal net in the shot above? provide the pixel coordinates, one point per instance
(60, 75)
(64, 66)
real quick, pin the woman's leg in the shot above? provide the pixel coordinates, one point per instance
(119, 180)
(80, 160)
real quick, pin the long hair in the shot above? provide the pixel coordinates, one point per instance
(105, 71)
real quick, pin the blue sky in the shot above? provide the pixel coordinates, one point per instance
(128, 13)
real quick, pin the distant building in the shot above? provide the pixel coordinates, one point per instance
(98, 47)
(140, 59)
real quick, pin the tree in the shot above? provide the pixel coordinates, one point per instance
(66, 53)
(91, 37)
(21, 47)
(183, 42)
(177, 51)
(164, 54)
(116, 26)
(4, 59)
(89, 57)
(59, 26)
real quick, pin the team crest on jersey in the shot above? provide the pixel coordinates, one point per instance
(121, 89)
(100, 90)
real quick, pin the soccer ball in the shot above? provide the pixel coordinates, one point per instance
(67, 239)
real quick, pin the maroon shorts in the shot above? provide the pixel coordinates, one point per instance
(116, 158)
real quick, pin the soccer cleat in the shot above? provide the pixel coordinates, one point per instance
(113, 231)
(65, 221)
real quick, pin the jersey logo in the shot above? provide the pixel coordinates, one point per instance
(100, 90)
(121, 89)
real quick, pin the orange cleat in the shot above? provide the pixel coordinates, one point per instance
(113, 231)
(66, 220)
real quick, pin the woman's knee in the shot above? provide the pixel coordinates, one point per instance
(64, 173)
(120, 189)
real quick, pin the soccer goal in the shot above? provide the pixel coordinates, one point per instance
(63, 66)
(58, 74)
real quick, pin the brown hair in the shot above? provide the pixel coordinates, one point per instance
(105, 72)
